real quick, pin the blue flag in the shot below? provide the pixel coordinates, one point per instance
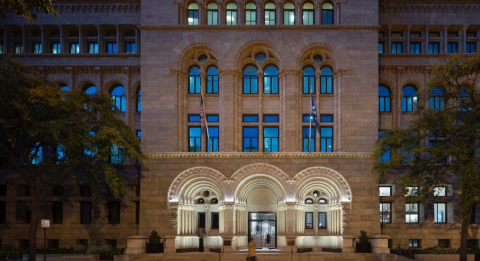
(314, 114)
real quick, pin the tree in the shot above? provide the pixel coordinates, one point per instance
(25, 7)
(441, 143)
(48, 135)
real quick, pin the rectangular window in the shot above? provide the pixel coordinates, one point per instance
(471, 34)
(270, 118)
(433, 34)
(326, 118)
(269, 17)
(452, 48)
(309, 136)
(385, 212)
(74, 48)
(130, 48)
(212, 83)
(194, 138)
(57, 191)
(3, 190)
(326, 139)
(3, 212)
(250, 17)
(471, 48)
(415, 47)
(288, 17)
(85, 191)
(433, 47)
(440, 212)
(113, 212)
(112, 242)
(18, 48)
(411, 191)
(250, 139)
(53, 243)
(83, 242)
(250, 84)
(322, 220)
(231, 17)
(445, 243)
(37, 48)
(212, 145)
(386, 155)
(57, 213)
(308, 118)
(326, 84)
(24, 213)
(137, 212)
(194, 83)
(270, 139)
(414, 243)
(472, 243)
(397, 47)
(411, 210)
(192, 17)
(308, 82)
(139, 133)
(452, 34)
(92, 47)
(23, 191)
(308, 220)
(309, 17)
(1, 52)
(270, 84)
(250, 118)
(440, 191)
(212, 118)
(381, 47)
(215, 220)
(117, 155)
(385, 191)
(193, 118)
(85, 212)
(201, 219)
(111, 47)
(415, 34)
(397, 34)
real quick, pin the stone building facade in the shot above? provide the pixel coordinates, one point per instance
(256, 75)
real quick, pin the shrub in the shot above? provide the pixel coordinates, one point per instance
(363, 237)
(106, 251)
(154, 237)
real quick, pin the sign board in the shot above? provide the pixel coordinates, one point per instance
(45, 223)
(201, 232)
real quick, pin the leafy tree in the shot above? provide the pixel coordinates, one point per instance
(441, 143)
(48, 136)
(25, 7)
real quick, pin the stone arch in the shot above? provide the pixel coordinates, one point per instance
(182, 181)
(270, 173)
(245, 187)
(195, 186)
(247, 52)
(85, 79)
(192, 44)
(60, 79)
(337, 184)
(326, 42)
(113, 79)
(410, 81)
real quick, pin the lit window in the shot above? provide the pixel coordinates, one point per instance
(75, 48)
(117, 155)
(440, 191)
(270, 14)
(18, 48)
(37, 48)
(414, 243)
(322, 220)
(270, 80)
(93, 48)
(56, 48)
(385, 191)
(194, 136)
(270, 139)
(440, 212)
(308, 220)
(411, 191)
(385, 212)
(193, 14)
(327, 13)
(250, 139)
(326, 139)
(119, 98)
(212, 14)
(231, 14)
(308, 14)
(409, 100)
(411, 210)
(250, 14)
(288, 14)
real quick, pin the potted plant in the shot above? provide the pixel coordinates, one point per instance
(364, 246)
(304, 249)
(154, 245)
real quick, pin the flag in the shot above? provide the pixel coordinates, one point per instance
(314, 114)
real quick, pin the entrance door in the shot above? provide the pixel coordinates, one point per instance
(262, 228)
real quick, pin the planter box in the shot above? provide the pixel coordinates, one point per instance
(333, 250)
(216, 250)
(153, 248)
(363, 247)
(70, 257)
(304, 250)
(442, 257)
(186, 250)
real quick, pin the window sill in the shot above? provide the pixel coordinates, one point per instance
(211, 95)
(193, 95)
(270, 95)
(385, 113)
(250, 95)
(325, 95)
(409, 113)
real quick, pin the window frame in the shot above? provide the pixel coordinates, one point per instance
(419, 243)
(406, 100)
(305, 139)
(250, 78)
(326, 222)
(213, 79)
(252, 13)
(273, 89)
(417, 45)
(215, 225)
(287, 13)
(435, 215)
(326, 139)
(450, 46)
(122, 101)
(309, 12)
(386, 100)
(193, 14)
(197, 145)
(407, 213)
(326, 21)
(326, 78)
(434, 47)
(398, 47)
(385, 213)
(270, 11)
(196, 80)
(250, 138)
(233, 13)
(213, 140)
(307, 226)
(389, 188)
(138, 100)
(271, 138)
(311, 78)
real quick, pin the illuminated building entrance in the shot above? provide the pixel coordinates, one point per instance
(262, 228)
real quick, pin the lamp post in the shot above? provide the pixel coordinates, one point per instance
(45, 225)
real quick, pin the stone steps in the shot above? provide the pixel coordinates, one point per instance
(260, 257)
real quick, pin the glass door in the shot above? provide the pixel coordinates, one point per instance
(262, 230)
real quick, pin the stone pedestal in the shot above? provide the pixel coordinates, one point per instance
(228, 244)
(291, 244)
(347, 244)
(169, 244)
(379, 244)
(136, 244)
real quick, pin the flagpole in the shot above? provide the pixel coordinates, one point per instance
(206, 122)
(310, 129)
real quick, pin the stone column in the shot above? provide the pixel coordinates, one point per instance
(129, 98)
(444, 39)
(137, 40)
(425, 39)
(119, 38)
(260, 14)
(43, 38)
(202, 15)
(406, 34)
(298, 13)
(337, 13)
(260, 111)
(279, 11)
(463, 39)
(80, 38)
(240, 13)
(397, 100)
(388, 48)
(24, 39)
(318, 82)
(228, 224)
(72, 78)
(290, 226)
(338, 112)
(227, 104)
(100, 38)
(318, 12)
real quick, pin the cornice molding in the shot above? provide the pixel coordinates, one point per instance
(424, 6)
(258, 27)
(404, 69)
(95, 7)
(416, 55)
(87, 69)
(76, 55)
(259, 155)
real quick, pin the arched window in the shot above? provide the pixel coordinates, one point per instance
(317, 58)
(316, 193)
(231, 14)
(270, 79)
(327, 13)
(212, 80)
(437, 100)
(322, 201)
(214, 201)
(270, 13)
(250, 79)
(308, 201)
(250, 14)
(90, 89)
(288, 14)
(194, 80)
(326, 82)
(64, 88)
(308, 14)
(409, 100)
(212, 14)
(139, 100)
(383, 99)
(200, 201)
(118, 97)
(308, 80)
(193, 14)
